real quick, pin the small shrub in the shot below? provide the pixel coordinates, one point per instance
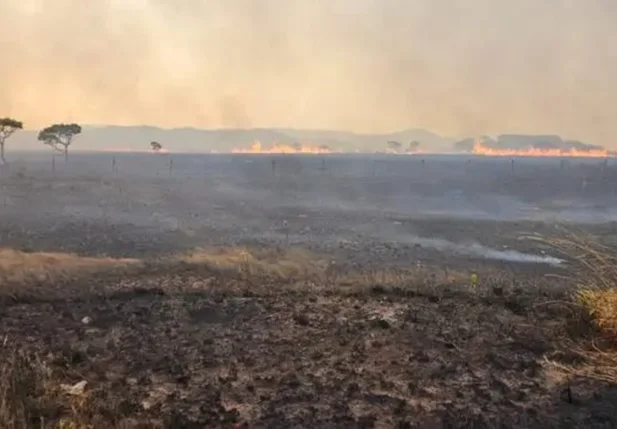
(601, 306)
(21, 379)
(593, 269)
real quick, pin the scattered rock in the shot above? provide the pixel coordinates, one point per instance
(76, 389)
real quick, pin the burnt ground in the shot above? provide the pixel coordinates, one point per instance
(197, 349)
(184, 347)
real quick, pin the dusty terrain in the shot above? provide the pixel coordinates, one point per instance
(373, 323)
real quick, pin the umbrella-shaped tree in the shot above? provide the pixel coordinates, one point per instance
(60, 137)
(7, 127)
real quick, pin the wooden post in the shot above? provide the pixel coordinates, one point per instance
(53, 170)
(286, 226)
(604, 166)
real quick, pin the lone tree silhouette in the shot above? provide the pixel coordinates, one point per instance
(7, 127)
(394, 146)
(413, 146)
(60, 137)
(156, 146)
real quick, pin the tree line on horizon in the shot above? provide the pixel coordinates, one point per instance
(57, 136)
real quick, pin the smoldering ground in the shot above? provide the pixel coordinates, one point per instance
(375, 281)
(219, 200)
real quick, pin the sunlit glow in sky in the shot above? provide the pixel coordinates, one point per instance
(456, 67)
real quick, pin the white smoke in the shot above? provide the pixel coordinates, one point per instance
(479, 250)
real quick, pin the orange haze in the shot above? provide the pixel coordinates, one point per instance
(457, 67)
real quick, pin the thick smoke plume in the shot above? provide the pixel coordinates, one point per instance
(457, 67)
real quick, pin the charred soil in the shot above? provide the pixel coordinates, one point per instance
(384, 330)
(194, 348)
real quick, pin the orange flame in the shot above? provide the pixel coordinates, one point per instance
(257, 147)
(480, 149)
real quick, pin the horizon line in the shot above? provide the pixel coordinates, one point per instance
(335, 130)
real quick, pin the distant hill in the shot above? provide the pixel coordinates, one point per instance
(224, 140)
(428, 141)
(194, 140)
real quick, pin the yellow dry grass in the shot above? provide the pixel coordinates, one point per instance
(20, 270)
(283, 263)
(593, 269)
(601, 306)
(28, 386)
(294, 265)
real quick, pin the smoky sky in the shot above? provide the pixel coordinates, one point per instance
(457, 67)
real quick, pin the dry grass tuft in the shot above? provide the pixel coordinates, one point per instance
(20, 272)
(593, 267)
(30, 396)
(20, 266)
(22, 384)
(286, 264)
(599, 364)
(591, 264)
(601, 306)
(17, 384)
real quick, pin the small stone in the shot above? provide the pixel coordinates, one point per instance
(75, 389)
(147, 404)
(86, 320)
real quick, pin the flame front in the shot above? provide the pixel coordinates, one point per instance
(257, 147)
(480, 149)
